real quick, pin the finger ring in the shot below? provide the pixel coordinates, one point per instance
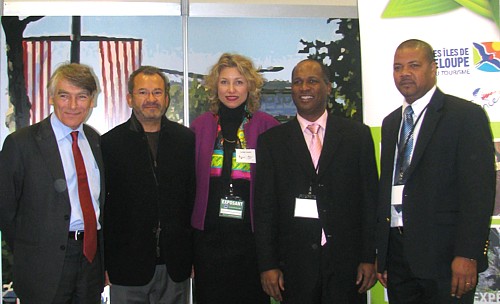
(467, 283)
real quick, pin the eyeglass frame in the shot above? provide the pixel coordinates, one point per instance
(143, 93)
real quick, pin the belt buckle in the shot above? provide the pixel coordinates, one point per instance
(77, 234)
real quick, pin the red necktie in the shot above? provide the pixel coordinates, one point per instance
(89, 220)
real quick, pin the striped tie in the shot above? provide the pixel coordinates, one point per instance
(405, 146)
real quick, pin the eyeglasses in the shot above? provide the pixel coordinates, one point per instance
(143, 94)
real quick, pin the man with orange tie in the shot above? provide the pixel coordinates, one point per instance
(51, 181)
(316, 193)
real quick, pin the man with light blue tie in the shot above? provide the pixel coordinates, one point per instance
(51, 186)
(437, 188)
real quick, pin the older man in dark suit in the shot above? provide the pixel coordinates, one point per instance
(51, 183)
(315, 202)
(437, 188)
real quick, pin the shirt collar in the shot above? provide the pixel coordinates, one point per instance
(320, 121)
(61, 131)
(419, 105)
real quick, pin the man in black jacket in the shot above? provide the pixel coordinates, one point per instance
(149, 162)
(315, 212)
(437, 188)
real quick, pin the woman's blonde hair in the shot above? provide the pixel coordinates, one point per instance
(246, 68)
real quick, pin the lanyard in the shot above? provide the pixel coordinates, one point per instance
(410, 134)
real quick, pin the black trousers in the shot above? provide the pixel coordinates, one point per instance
(225, 266)
(403, 287)
(81, 282)
(320, 286)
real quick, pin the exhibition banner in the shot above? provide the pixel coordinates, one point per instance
(465, 36)
(466, 44)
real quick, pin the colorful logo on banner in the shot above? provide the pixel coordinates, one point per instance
(487, 56)
(486, 98)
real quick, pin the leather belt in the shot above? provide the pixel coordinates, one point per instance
(76, 235)
(399, 229)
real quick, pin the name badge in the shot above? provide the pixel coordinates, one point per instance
(305, 206)
(232, 207)
(246, 156)
(397, 194)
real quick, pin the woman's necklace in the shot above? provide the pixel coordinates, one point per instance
(229, 141)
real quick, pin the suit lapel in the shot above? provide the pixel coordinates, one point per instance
(332, 139)
(430, 120)
(95, 146)
(298, 147)
(94, 143)
(391, 140)
(49, 149)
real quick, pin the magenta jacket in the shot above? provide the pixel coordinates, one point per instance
(205, 129)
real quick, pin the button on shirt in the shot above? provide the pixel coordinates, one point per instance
(64, 141)
(418, 107)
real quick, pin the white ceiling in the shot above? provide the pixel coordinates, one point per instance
(197, 8)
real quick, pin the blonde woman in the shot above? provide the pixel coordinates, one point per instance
(226, 137)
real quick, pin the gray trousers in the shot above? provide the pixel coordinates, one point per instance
(160, 290)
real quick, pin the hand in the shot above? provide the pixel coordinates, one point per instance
(464, 276)
(382, 278)
(366, 276)
(273, 283)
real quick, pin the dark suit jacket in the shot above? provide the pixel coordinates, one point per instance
(449, 195)
(137, 198)
(346, 193)
(35, 208)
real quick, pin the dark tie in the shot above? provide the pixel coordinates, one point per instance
(405, 146)
(89, 219)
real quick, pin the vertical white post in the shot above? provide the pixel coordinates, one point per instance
(185, 49)
(185, 72)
